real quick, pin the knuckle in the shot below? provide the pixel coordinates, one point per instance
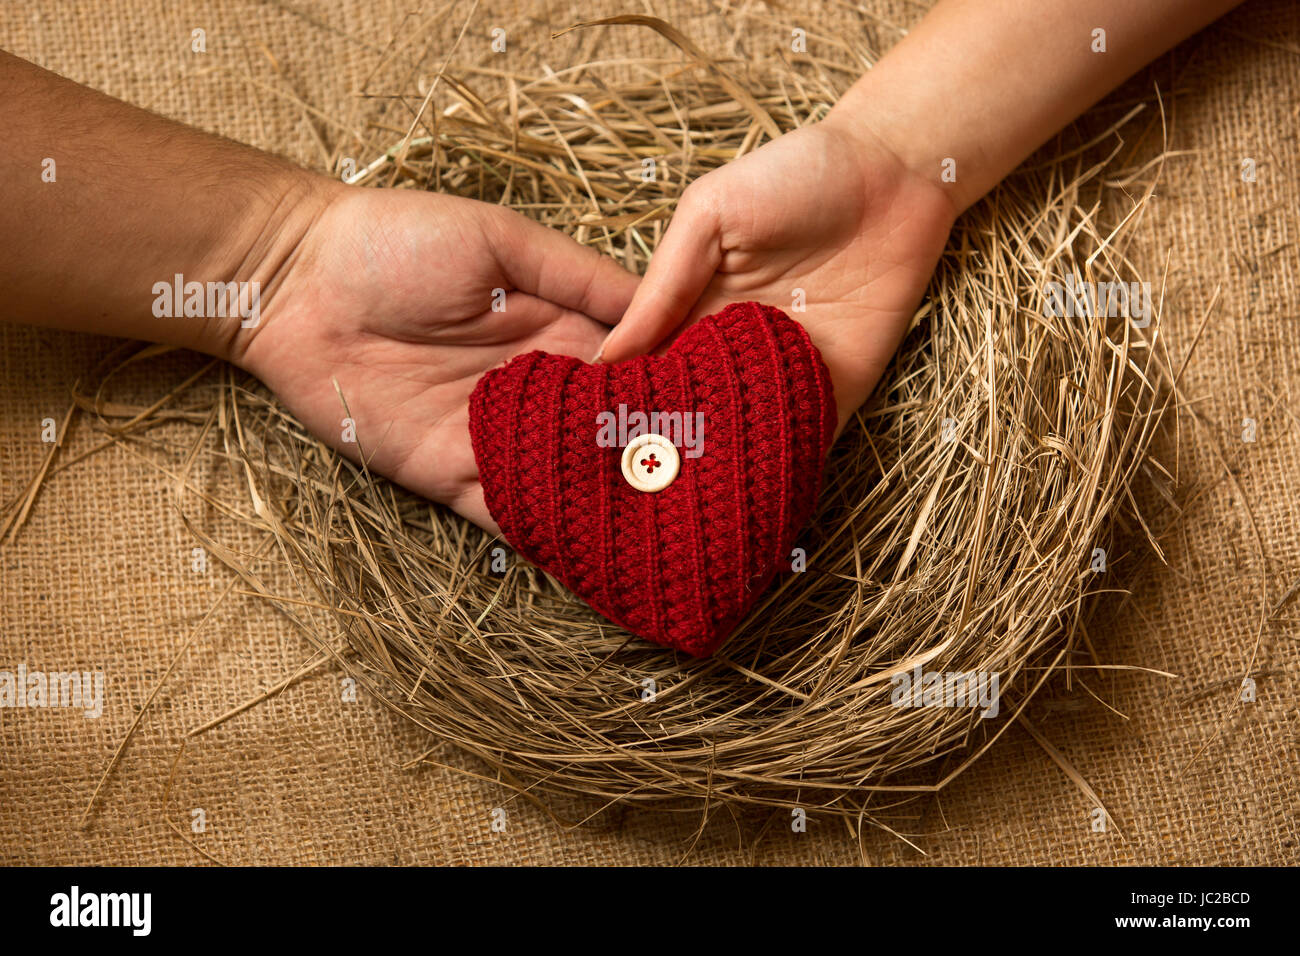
(697, 198)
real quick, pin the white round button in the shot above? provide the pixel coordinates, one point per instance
(650, 463)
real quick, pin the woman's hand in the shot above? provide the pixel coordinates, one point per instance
(826, 209)
(852, 210)
(391, 295)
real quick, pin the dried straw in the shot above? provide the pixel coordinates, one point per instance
(958, 547)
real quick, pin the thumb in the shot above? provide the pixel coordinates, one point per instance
(680, 270)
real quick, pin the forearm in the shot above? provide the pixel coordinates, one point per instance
(104, 203)
(985, 82)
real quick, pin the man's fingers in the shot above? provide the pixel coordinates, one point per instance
(679, 272)
(548, 264)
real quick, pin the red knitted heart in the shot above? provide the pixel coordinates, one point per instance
(683, 565)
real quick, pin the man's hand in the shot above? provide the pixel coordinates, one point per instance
(827, 210)
(390, 294)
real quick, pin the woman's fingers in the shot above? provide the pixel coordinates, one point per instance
(548, 264)
(679, 272)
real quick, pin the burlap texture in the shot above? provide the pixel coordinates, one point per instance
(100, 578)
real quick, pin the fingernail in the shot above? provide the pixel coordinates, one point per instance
(601, 351)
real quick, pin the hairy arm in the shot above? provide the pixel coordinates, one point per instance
(103, 200)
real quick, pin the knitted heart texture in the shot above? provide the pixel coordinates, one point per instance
(673, 523)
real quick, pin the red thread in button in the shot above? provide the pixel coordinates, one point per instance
(650, 464)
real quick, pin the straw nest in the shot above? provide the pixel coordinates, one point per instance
(958, 531)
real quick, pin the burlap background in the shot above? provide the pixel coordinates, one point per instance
(100, 577)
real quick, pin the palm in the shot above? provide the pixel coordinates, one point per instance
(393, 299)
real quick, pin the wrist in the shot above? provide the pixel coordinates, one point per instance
(261, 253)
(892, 112)
(882, 140)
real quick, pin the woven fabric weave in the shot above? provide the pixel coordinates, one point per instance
(100, 577)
